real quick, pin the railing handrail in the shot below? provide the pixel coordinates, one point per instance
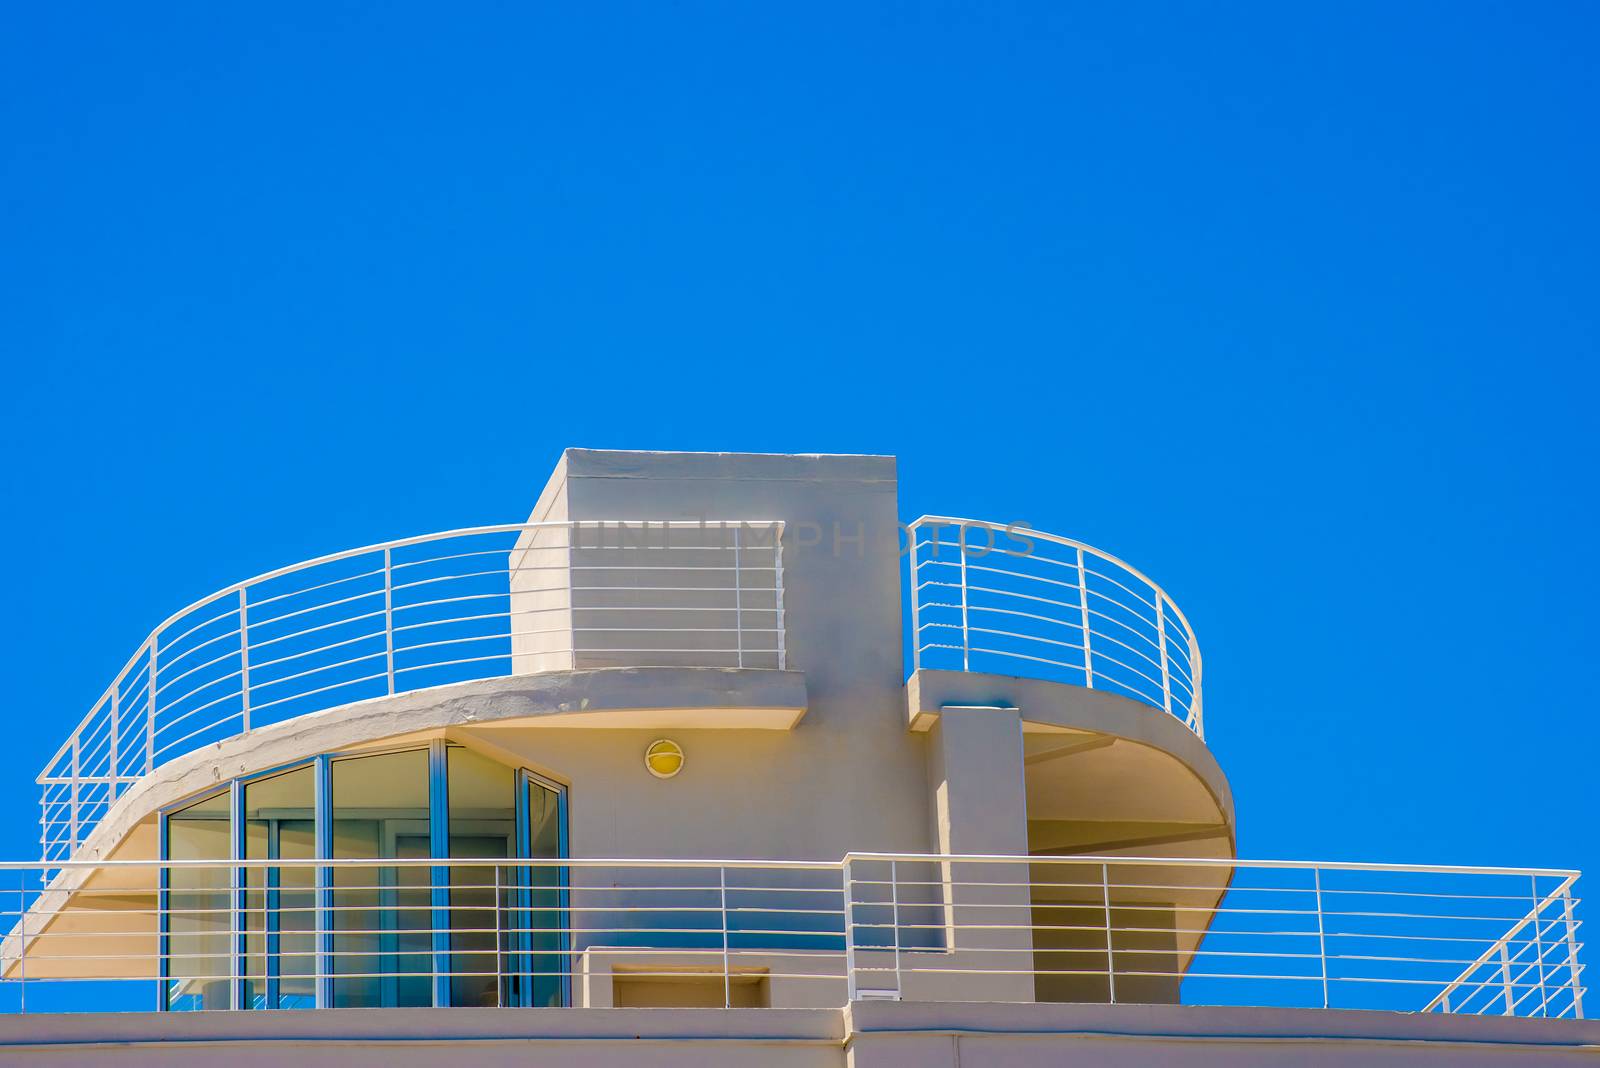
(390, 545)
(1567, 874)
(1166, 609)
(1534, 915)
(1220, 862)
(1072, 543)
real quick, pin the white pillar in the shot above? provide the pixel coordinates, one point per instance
(980, 807)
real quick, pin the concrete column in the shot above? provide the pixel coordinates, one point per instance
(975, 773)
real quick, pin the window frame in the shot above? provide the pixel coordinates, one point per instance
(322, 806)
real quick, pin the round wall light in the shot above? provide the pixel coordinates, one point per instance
(663, 758)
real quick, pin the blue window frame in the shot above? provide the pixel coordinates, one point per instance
(265, 937)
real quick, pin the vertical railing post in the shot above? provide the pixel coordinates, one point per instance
(1322, 938)
(244, 659)
(1083, 608)
(1572, 953)
(116, 733)
(388, 618)
(916, 611)
(777, 589)
(1161, 640)
(847, 890)
(1111, 960)
(738, 598)
(894, 915)
(150, 712)
(966, 637)
(727, 973)
(271, 934)
(72, 818)
(1538, 942)
(22, 941)
(1505, 981)
(502, 986)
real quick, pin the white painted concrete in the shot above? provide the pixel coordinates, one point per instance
(866, 1035)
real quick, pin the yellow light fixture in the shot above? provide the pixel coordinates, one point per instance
(664, 758)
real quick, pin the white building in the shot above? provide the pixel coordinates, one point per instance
(644, 781)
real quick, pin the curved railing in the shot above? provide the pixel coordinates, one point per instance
(486, 602)
(476, 603)
(1013, 600)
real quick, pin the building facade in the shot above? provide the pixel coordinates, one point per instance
(646, 779)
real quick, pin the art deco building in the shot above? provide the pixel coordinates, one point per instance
(714, 760)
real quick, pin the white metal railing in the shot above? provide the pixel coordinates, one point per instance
(320, 933)
(1498, 979)
(418, 612)
(1500, 941)
(1013, 600)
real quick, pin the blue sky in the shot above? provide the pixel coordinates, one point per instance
(1294, 307)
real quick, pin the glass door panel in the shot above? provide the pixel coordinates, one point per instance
(381, 917)
(199, 917)
(545, 899)
(483, 824)
(279, 917)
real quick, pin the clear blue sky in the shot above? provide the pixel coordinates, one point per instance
(1294, 307)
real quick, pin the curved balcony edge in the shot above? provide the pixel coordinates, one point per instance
(1029, 603)
(412, 614)
(667, 698)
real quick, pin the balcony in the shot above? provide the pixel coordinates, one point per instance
(463, 605)
(531, 599)
(1011, 600)
(606, 933)
(520, 599)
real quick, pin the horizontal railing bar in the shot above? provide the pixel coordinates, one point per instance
(1057, 539)
(858, 858)
(133, 664)
(1325, 865)
(301, 591)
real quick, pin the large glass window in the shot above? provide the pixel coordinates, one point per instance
(297, 936)
(199, 914)
(280, 904)
(483, 825)
(382, 916)
(545, 921)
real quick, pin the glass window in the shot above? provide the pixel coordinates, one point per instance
(382, 919)
(547, 918)
(280, 904)
(199, 918)
(483, 824)
(504, 942)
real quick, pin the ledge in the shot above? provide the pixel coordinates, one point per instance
(599, 699)
(1046, 706)
(1157, 1027)
(872, 1033)
(469, 1027)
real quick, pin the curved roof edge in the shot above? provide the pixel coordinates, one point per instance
(601, 698)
